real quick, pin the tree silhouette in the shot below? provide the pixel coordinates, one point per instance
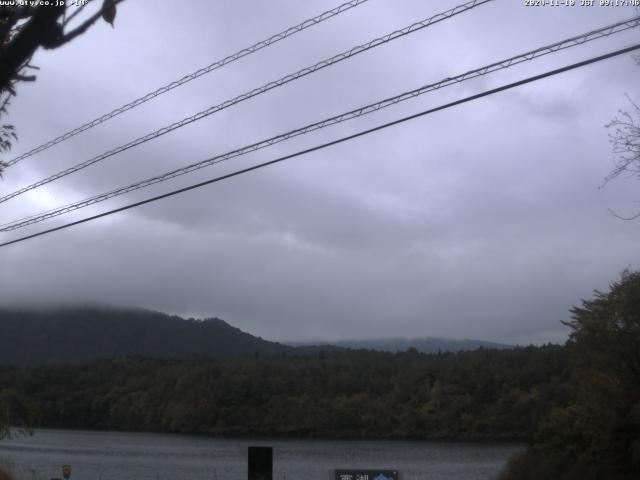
(625, 142)
(25, 28)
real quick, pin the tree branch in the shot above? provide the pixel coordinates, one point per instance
(80, 29)
(632, 217)
(17, 12)
(24, 78)
(76, 31)
(41, 30)
(76, 12)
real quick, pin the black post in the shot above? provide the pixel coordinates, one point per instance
(260, 463)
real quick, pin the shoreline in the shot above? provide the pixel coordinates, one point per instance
(310, 438)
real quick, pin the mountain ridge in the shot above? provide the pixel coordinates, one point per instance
(66, 334)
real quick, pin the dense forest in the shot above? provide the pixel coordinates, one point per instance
(578, 405)
(425, 344)
(596, 434)
(492, 394)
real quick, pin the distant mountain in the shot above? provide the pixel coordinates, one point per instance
(424, 345)
(76, 334)
(79, 334)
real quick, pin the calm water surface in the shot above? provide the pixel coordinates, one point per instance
(115, 455)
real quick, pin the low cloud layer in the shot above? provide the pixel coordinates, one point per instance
(483, 221)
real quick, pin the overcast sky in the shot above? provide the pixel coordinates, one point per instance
(482, 221)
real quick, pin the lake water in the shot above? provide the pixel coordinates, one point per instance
(129, 456)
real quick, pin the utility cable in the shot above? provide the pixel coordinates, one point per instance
(192, 76)
(503, 64)
(333, 142)
(257, 91)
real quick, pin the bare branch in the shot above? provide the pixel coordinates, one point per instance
(74, 33)
(24, 78)
(625, 141)
(5, 102)
(83, 27)
(632, 217)
(76, 12)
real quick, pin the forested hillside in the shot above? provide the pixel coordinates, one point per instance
(490, 394)
(577, 404)
(596, 434)
(79, 334)
(424, 345)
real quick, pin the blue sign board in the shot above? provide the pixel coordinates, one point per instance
(367, 475)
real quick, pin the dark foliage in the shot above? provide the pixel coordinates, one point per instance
(596, 435)
(424, 345)
(484, 394)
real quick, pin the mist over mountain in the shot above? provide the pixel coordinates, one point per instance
(71, 334)
(82, 333)
(423, 345)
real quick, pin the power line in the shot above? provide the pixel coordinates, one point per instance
(257, 91)
(192, 76)
(333, 142)
(503, 64)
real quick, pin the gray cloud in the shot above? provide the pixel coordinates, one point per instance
(481, 221)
